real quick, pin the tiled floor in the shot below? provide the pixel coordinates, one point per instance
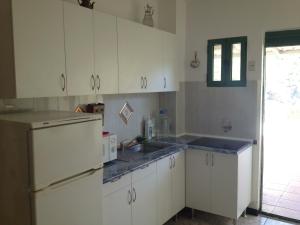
(282, 198)
(202, 218)
(281, 187)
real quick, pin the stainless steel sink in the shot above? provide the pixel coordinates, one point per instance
(149, 147)
(219, 143)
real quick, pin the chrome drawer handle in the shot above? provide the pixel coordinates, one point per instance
(94, 83)
(64, 82)
(129, 197)
(134, 194)
(99, 82)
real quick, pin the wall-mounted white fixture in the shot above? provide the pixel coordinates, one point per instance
(195, 63)
(226, 125)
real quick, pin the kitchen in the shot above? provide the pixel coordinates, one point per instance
(103, 56)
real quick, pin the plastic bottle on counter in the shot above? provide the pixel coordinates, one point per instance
(164, 123)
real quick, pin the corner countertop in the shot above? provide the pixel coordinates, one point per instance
(117, 168)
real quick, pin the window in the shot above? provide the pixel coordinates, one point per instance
(227, 62)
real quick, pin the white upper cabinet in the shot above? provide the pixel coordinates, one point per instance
(106, 53)
(170, 62)
(57, 48)
(140, 57)
(33, 60)
(79, 45)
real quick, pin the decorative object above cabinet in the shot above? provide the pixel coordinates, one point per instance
(86, 3)
(53, 48)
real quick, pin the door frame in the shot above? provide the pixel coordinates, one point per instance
(277, 38)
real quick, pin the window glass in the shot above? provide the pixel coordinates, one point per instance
(236, 62)
(217, 64)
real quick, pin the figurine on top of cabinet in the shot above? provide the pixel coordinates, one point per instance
(86, 3)
(148, 20)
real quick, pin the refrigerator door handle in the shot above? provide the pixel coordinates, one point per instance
(69, 180)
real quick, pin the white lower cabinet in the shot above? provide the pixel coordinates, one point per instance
(117, 201)
(144, 198)
(164, 182)
(131, 200)
(178, 183)
(198, 174)
(219, 183)
(171, 186)
(150, 195)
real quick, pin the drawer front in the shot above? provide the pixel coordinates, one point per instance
(64, 151)
(116, 184)
(76, 202)
(143, 171)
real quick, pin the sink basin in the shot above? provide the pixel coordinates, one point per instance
(219, 143)
(149, 147)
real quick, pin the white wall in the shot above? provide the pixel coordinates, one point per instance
(209, 19)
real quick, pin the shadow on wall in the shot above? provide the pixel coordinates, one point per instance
(209, 109)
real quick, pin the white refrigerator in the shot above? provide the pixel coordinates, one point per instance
(51, 168)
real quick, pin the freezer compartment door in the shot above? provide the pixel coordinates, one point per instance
(74, 202)
(64, 151)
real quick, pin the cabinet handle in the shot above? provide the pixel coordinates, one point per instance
(134, 194)
(142, 82)
(64, 82)
(146, 79)
(129, 198)
(165, 82)
(207, 159)
(99, 82)
(170, 162)
(174, 162)
(212, 160)
(94, 83)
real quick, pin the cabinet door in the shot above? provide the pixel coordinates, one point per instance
(164, 190)
(79, 42)
(144, 203)
(178, 183)
(117, 207)
(170, 62)
(106, 55)
(198, 178)
(224, 184)
(39, 48)
(153, 66)
(140, 56)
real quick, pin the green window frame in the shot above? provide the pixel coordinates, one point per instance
(225, 76)
(282, 38)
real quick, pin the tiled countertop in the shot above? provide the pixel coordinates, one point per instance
(136, 160)
(119, 168)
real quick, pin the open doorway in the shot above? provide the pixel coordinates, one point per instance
(281, 176)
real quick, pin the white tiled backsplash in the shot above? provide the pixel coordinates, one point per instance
(41, 104)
